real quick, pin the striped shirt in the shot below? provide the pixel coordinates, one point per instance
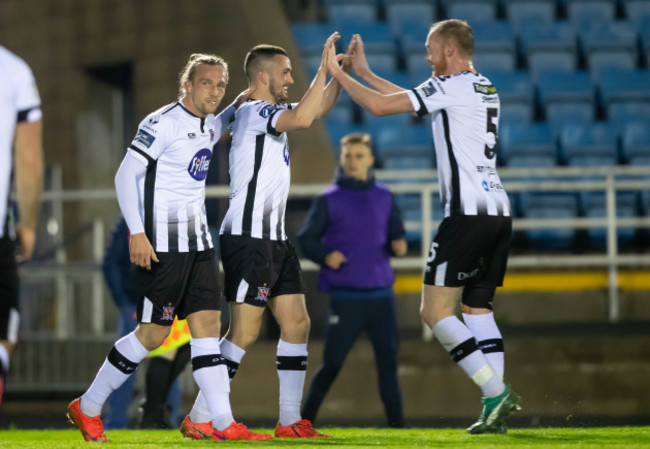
(19, 102)
(464, 112)
(176, 146)
(260, 173)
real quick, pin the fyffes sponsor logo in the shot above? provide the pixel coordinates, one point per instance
(199, 165)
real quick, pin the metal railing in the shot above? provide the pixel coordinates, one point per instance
(609, 180)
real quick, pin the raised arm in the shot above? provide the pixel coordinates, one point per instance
(29, 182)
(333, 88)
(377, 103)
(306, 111)
(362, 69)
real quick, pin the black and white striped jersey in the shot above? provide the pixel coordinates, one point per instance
(176, 146)
(464, 112)
(19, 102)
(260, 173)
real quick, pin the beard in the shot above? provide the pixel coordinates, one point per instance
(278, 93)
(440, 68)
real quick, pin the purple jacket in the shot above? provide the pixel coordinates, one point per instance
(359, 219)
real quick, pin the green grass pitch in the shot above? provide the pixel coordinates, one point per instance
(575, 438)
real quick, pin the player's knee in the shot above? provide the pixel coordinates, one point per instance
(477, 298)
(151, 337)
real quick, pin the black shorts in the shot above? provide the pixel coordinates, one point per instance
(9, 291)
(258, 269)
(469, 250)
(178, 285)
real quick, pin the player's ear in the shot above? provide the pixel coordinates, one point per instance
(188, 87)
(262, 77)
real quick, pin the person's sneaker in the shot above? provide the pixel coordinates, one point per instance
(196, 430)
(91, 428)
(300, 429)
(238, 431)
(495, 411)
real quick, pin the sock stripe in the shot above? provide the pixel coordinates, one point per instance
(205, 361)
(120, 362)
(292, 363)
(491, 345)
(463, 350)
(232, 367)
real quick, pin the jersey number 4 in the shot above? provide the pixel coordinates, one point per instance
(492, 113)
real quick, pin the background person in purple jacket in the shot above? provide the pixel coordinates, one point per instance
(351, 231)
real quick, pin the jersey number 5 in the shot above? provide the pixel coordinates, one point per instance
(492, 113)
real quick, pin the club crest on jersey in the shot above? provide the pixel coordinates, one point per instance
(211, 134)
(427, 88)
(168, 313)
(144, 138)
(262, 294)
(267, 110)
(191, 135)
(198, 168)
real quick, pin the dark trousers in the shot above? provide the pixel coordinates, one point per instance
(377, 317)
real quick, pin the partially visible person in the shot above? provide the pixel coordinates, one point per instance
(261, 266)
(161, 192)
(351, 231)
(21, 149)
(117, 270)
(469, 254)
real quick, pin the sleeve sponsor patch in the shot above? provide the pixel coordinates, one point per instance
(426, 89)
(267, 110)
(485, 89)
(143, 138)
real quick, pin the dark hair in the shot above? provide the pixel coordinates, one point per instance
(258, 55)
(459, 31)
(187, 74)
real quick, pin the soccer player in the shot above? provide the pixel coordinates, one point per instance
(261, 266)
(20, 129)
(468, 256)
(161, 191)
(351, 231)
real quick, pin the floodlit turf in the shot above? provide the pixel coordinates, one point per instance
(609, 437)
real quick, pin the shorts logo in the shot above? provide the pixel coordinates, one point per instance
(168, 313)
(199, 165)
(262, 294)
(463, 276)
(144, 138)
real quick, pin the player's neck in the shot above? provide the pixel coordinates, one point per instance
(189, 105)
(457, 66)
(263, 95)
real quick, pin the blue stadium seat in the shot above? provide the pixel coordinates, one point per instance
(594, 206)
(489, 61)
(622, 113)
(342, 15)
(526, 145)
(624, 85)
(382, 62)
(376, 37)
(559, 90)
(473, 11)
(515, 112)
(374, 125)
(338, 127)
(401, 140)
(589, 15)
(411, 207)
(637, 11)
(550, 205)
(407, 15)
(523, 13)
(514, 87)
(310, 37)
(645, 203)
(407, 161)
(419, 70)
(342, 113)
(636, 143)
(556, 38)
(542, 61)
(589, 144)
(612, 46)
(493, 36)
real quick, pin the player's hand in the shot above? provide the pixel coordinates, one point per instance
(328, 60)
(346, 59)
(141, 251)
(244, 96)
(335, 259)
(399, 247)
(26, 237)
(358, 56)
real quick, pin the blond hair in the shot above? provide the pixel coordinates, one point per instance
(196, 59)
(459, 31)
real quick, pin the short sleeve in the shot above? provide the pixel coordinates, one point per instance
(27, 99)
(429, 96)
(152, 138)
(262, 117)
